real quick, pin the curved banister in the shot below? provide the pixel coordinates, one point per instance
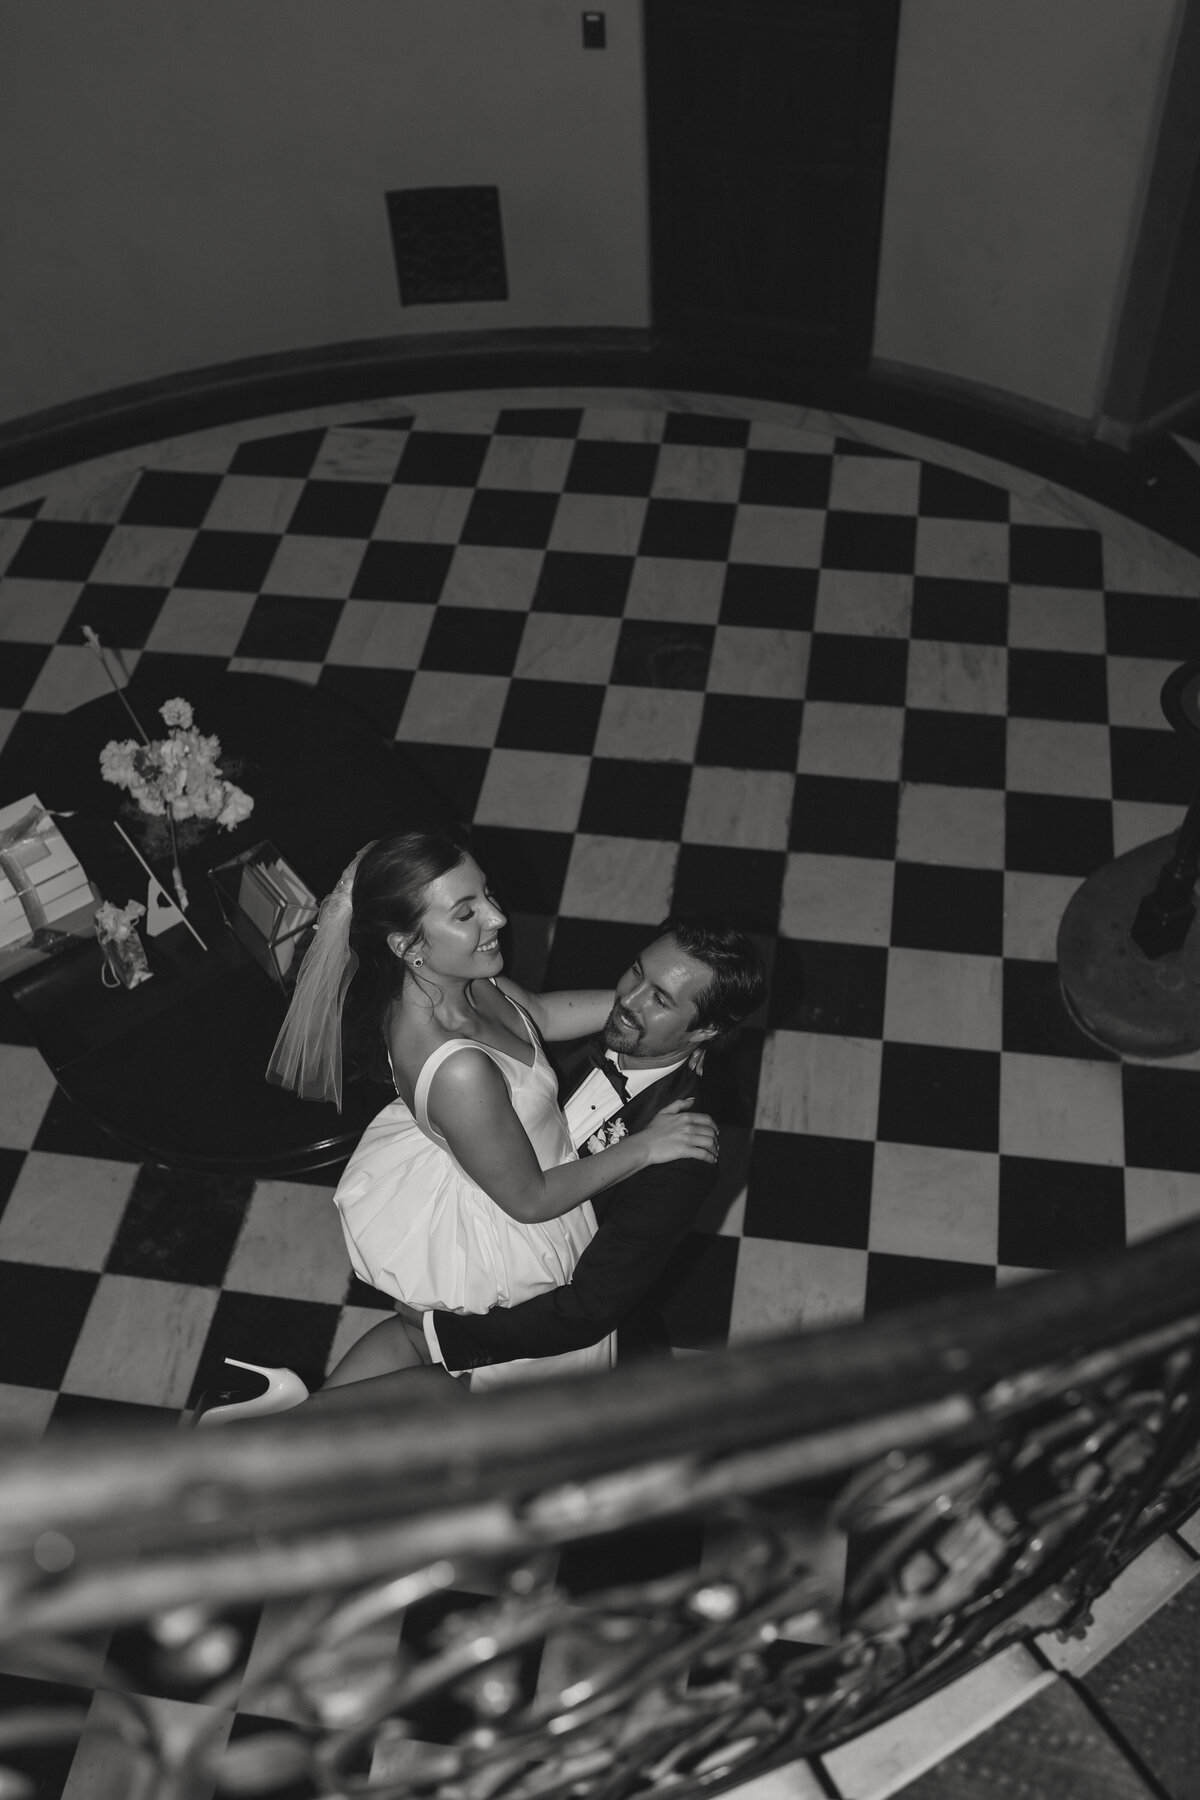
(994, 1461)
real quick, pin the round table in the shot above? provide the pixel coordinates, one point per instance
(174, 1068)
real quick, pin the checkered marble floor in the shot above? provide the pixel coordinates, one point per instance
(885, 703)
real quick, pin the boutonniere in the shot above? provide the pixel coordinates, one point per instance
(606, 1137)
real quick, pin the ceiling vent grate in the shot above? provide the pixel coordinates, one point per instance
(448, 243)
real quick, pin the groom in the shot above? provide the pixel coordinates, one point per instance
(688, 991)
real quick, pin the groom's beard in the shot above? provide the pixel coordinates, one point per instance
(621, 1036)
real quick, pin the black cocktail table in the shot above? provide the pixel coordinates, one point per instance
(173, 1068)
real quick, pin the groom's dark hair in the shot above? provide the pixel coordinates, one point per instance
(738, 980)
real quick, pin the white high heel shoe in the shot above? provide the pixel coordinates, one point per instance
(246, 1399)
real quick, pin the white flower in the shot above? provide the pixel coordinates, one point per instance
(595, 1143)
(616, 1131)
(179, 774)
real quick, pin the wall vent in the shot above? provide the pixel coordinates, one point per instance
(448, 243)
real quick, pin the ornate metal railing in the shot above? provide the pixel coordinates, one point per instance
(462, 1602)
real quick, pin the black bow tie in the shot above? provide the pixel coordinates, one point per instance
(599, 1060)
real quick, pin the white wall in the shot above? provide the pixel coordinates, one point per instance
(188, 182)
(1020, 135)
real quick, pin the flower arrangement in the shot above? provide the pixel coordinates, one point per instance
(176, 775)
(174, 778)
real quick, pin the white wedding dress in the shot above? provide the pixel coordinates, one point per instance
(418, 1228)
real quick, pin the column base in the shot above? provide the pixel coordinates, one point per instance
(1117, 995)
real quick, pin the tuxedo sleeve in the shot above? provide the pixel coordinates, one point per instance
(647, 1216)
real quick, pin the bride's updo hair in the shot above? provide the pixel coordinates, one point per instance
(389, 894)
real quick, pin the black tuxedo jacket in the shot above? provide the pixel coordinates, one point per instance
(640, 1221)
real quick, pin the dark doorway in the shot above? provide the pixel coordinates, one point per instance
(768, 131)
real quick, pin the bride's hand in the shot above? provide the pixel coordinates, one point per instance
(677, 1131)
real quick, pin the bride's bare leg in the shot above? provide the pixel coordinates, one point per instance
(387, 1363)
(383, 1350)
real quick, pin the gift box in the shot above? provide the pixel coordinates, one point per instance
(46, 900)
(268, 907)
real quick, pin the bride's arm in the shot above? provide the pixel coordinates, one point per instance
(568, 1013)
(470, 1107)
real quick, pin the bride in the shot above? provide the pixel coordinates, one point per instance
(465, 1192)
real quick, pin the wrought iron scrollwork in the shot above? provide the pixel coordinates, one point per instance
(880, 1507)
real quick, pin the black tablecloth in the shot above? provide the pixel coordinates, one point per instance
(174, 1067)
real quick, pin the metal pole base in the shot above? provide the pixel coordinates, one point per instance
(1119, 996)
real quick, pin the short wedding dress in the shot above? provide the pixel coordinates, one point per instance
(418, 1228)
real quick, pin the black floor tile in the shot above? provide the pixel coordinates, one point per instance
(602, 467)
(929, 1094)
(473, 640)
(635, 799)
(758, 594)
(526, 868)
(1035, 1018)
(59, 550)
(539, 421)
(443, 458)
(1165, 626)
(897, 1281)
(11, 1164)
(587, 951)
(20, 667)
(379, 694)
(738, 731)
(706, 428)
(700, 530)
(806, 1189)
(517, 519)
(338, 509)
(1158, 766)
(835, 816)
(1047, 834)
(121, 616)
(86, 1411)
(959, 612)
(1054, 1214)
(180, 1227)
(786, 478)
(289, 626)
(272, 1332)
(941, 908)
(454, 772)
(743, 886)
(1057, 684)
(233, 561)
(292, 453)
(179, 497)
(954, 749)
(836, 988)
(946, 494)
(43, 1311)
(579, 581)
(871, 671)
(550, 715)
(880, 542)
(1055, 556)
(1162, 1111)
(414, 573)
(662, 653)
